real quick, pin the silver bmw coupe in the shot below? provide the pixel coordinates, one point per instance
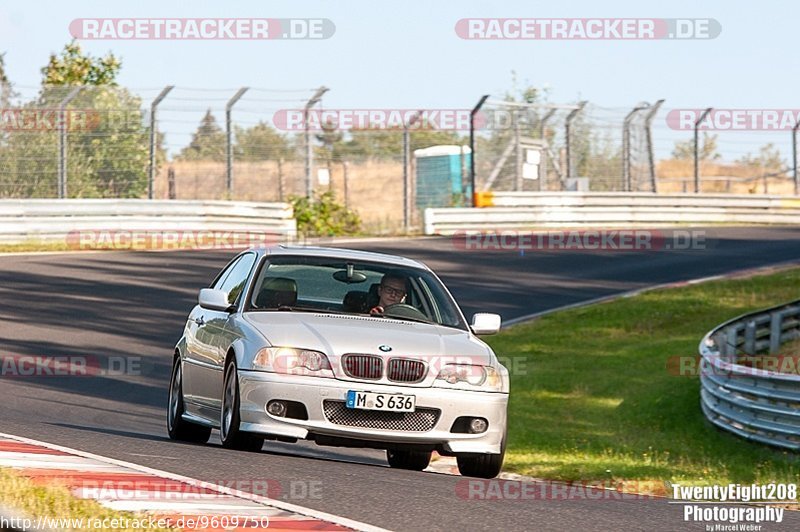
(345, 348)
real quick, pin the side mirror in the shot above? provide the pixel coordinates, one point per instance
(485, 323)
(214, 300)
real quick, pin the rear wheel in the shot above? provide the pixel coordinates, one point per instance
(177, 427)
(482, 465)
(412, 460)
(229, 433)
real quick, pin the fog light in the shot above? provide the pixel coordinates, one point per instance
(276, 408)
(478, 425)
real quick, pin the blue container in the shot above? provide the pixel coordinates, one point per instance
(440, 171)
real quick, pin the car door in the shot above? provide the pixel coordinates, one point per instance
(198, 344)
(211, 336)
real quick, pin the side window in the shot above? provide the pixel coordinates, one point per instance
(225, 273)
(234, 282)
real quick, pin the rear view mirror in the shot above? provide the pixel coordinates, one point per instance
(214, 299)
(485, 323)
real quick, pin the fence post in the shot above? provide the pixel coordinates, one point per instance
(750, 338)
(794, 159)
(229, 140)
(542, 129)
(775, 329)
(406, 161)
(152, 168)
(697, 150)
(472, 145)
(568, 137)
(309, 152)
(719, 343)
(171, 191)
(344, 176)
(62, 142)
(517, 153)
(626, 145)
(731, 341)
(722, 343)
(651, 163)
(280, 179)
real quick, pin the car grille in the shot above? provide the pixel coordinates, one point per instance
(363, 366)
(405, 370)
(422, 420)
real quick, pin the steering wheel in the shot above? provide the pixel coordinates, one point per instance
(404, 310)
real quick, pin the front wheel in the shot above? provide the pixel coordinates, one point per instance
(177, 427)
(482, 465)
(229, 433)
(412, 460)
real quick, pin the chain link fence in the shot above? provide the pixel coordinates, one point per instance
(271, 145)
(74, 142)
(543, 147)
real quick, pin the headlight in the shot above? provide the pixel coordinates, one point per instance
(467, 376)
(293, 361)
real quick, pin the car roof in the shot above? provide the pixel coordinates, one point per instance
(341, 253)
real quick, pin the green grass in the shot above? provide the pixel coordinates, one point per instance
(22, 495)
(593, 401)
(34, 245)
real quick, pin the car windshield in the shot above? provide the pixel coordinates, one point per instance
(321, 284)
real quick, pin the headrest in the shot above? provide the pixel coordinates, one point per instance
(355, 301)
(373, 292)
(283, 284)
(277, 292)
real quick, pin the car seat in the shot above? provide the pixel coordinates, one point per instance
(277, 292)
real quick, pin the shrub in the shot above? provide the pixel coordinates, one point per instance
(324, 216)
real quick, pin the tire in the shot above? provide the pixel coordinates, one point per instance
(482, 465)
(229, 433)
(411, 460)
(177, 427)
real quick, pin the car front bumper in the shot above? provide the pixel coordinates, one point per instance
(257, 388)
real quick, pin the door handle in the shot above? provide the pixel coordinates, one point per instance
(200, 321)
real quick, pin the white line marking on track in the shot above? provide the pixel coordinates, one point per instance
(289, 507)
(762, 270)
(166, 506)
(155, 456)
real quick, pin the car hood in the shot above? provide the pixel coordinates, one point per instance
(337, 334)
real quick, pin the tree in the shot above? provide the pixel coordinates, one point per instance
(388, 143)
(6, 94)
(526, 94)
(110, 157)
(5, 84)
(208, 142)
(107, 142)
(262, 143)
(331, 138)
(707, 152)
(491, 145)
(768, 159)
(3, 76)
(73, 67)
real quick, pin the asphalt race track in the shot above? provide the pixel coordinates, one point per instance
(118, 306)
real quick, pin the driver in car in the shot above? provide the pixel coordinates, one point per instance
(391, 291)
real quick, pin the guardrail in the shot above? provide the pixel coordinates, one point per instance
(756, 404)
(43, 219)
(520, 210)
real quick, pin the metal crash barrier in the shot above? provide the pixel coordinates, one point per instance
(759, 404)
(50, 220)
(522, 210)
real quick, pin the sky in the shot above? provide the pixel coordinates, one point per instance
(406, 54)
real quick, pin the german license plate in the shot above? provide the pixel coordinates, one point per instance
(388, 402)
